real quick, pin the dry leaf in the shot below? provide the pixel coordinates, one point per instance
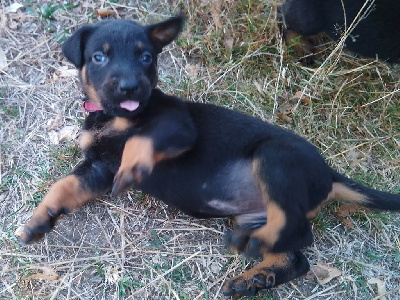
(111, 274)
(19, 231)
(193, 70)
(259, 87)
(53, 137)
(325, 273)
(303, 98)
(45, 274)
(67, 133)
(347, 210)
(317, 272)
(57, 121)
(215, 267)
(284, 117)
(3, 60)
(347, 222)
(228, 42)
(104, 12)
(64, 71)
(381, 287)
(216, 13)
(13, 8)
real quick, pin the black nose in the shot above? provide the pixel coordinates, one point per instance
(128, 85)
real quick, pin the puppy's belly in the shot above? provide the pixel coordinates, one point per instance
(228, 190)
(235, 190)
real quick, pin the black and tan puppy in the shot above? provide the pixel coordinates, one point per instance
(205, 160)
(377, 34)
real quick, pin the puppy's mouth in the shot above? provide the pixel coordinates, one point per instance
(129, 105)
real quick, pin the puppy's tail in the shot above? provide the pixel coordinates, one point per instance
(346, 189)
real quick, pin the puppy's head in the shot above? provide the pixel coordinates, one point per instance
(117, 60)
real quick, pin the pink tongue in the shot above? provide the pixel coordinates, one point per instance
(129, 105)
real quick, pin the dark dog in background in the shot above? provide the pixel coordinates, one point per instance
(377, 34)
(205, 160)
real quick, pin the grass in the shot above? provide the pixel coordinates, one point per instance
(134, 247)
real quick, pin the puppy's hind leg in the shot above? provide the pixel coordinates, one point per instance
(281, 177)
(275, 269)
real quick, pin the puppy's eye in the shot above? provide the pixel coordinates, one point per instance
(98, 57)
(146, 58)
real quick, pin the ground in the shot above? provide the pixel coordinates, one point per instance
(134, 247)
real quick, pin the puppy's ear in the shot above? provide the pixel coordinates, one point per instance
(74, 47)
(161, 34)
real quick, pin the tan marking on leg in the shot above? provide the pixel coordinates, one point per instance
(342, 192)
(138, 150)
(276, 221)
(65, 194)
(121, 124)
(137, 160)
(311, 214)
(270, 263)
(339, 192)
(86, 139)
(276, 217)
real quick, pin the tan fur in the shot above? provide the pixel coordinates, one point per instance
(270, 232)
(339, 192)
(121, 124)
(271, 262)
(342, 192)
(64, 194)
(138, 152)
(86, 139)
(106, 47)
(89, 89)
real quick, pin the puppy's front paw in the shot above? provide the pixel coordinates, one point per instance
(128, 177)
(137, 162)
(40, 223)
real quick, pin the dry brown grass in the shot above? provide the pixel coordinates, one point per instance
(134, 247)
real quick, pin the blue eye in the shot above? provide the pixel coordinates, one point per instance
(98, 57)
(146, 58)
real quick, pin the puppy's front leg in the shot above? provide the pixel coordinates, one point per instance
(86, 182)
(166, 136)
(138, 160)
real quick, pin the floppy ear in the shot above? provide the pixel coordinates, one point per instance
(163, 33)
(74, 47)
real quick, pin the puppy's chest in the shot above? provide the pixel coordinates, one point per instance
(107, 136)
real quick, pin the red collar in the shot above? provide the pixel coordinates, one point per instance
(90, 106)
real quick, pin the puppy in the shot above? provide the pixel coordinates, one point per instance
(376, 35)
(204, 160)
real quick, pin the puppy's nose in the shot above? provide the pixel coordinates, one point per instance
(128, 85)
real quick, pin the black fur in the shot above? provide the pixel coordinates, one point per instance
(377, 34)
